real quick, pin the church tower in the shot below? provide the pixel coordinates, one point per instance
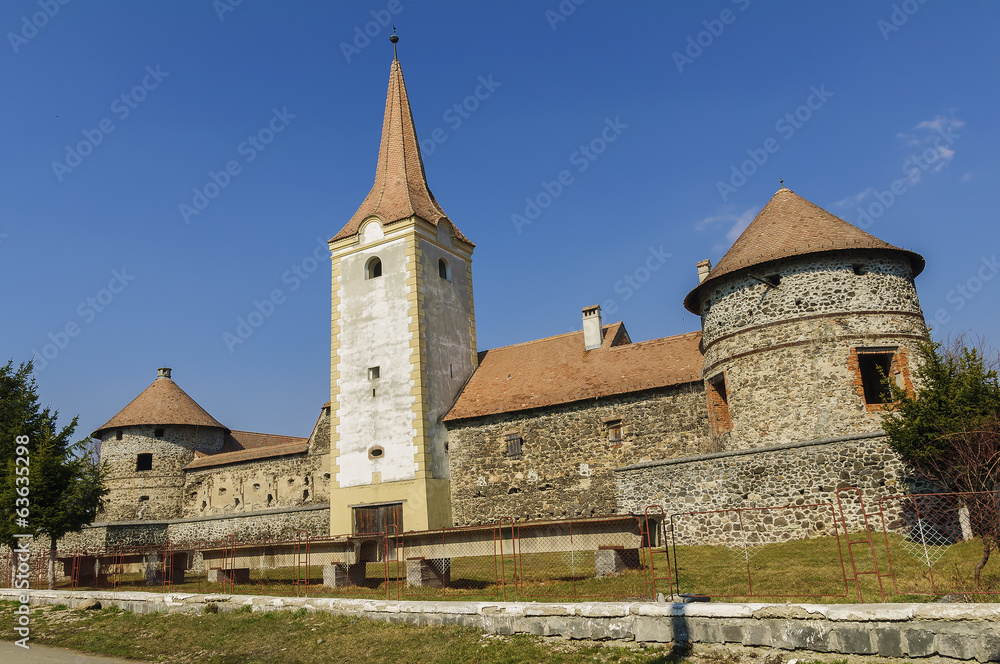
(403, 341)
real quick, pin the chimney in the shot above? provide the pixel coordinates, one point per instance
(163, 372)
(592, 333)
(704, 267)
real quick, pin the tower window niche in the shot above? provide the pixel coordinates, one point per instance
(719, 419)
(874, 368)
(444, 270)
(144, 461)
(373, 268)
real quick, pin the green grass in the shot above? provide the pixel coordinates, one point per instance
(301, 638)
(798, 570)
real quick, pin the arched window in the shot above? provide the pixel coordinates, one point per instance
(373, 268)
(444, 270)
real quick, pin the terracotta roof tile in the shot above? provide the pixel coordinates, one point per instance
(235, 456)
(789, 225)
(400, 190)
(163, 402)
(558, 370)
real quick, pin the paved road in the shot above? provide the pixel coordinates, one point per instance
(9, 653)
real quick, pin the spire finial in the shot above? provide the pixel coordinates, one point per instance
(394, 39)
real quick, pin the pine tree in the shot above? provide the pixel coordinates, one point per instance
(63, 488)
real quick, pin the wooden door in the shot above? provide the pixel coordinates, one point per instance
(372, 519)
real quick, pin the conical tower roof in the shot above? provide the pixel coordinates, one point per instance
(400, 190)
(789, 226)
(163, 402)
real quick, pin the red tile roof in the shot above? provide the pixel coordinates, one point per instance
(788, 226)
(163, 402)
(247, 446)
(558, 370)
(400, 190)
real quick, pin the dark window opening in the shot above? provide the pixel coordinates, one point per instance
(144, 461)
(158, 433)
(875, 369)
(373, 268)
(859, 269)
(236, 502)
(373, 373)
(222, 491)
(143, 499)
(269, 498)
(305, 495)
(444, 271)
(204, 504)
(376, 452)
(514, 442)
(118, 434)
(775, 279)
(614, 428)
(720, 421)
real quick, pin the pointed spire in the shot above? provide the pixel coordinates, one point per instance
(400, 190)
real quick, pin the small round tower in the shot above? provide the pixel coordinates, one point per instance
(800, 320)
(146, 446)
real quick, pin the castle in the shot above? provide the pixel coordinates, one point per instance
(779, 395)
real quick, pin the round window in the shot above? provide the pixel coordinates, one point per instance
(376, 452)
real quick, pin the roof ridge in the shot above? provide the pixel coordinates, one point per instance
(555, 336)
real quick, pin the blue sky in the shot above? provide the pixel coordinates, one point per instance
(628, 127)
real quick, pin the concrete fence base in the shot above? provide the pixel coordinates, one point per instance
(949, 631)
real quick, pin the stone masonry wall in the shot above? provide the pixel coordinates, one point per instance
(793, 474)
(256, 485)
(154, 493)
(786, 352)
(567, 460)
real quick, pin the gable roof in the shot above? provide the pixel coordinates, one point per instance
(248, 446)
(788, 226)
(557, 370)
(400, 190)
(163, 402)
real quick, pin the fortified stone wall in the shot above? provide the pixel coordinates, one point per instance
(567, 460)
(154, 493)
(786, 352)
(796, 474)
(251, 486)
(270, 524)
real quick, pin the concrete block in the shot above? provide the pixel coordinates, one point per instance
(428, 572)
(813, 636)
(989, 646)
(731, 633)
(610, 561)
(855, 640)
(704, 631)
(956, 646)
(919, 642)
(889, 641)
(757, 634)
(653, 629)
(153, 572)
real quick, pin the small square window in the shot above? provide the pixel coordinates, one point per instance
(158, 433)
(118, 434)
(514, 441)
(144, 461)
(373, 373)
(614, 429)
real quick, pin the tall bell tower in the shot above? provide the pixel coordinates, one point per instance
(403, 341)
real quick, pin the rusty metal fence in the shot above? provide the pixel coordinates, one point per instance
(844, 550)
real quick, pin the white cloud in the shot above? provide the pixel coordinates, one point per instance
(853, 199)
(941, 123)
(737, 222)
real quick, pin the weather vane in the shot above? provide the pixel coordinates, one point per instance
(394, 39)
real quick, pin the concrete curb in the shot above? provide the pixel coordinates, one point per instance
(950, 631)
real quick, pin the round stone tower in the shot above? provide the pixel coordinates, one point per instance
(801, 319)
(146, 446)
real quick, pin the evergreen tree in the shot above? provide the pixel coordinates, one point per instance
(63, 488)
(949, 432)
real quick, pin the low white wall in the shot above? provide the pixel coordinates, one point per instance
(950, 631)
